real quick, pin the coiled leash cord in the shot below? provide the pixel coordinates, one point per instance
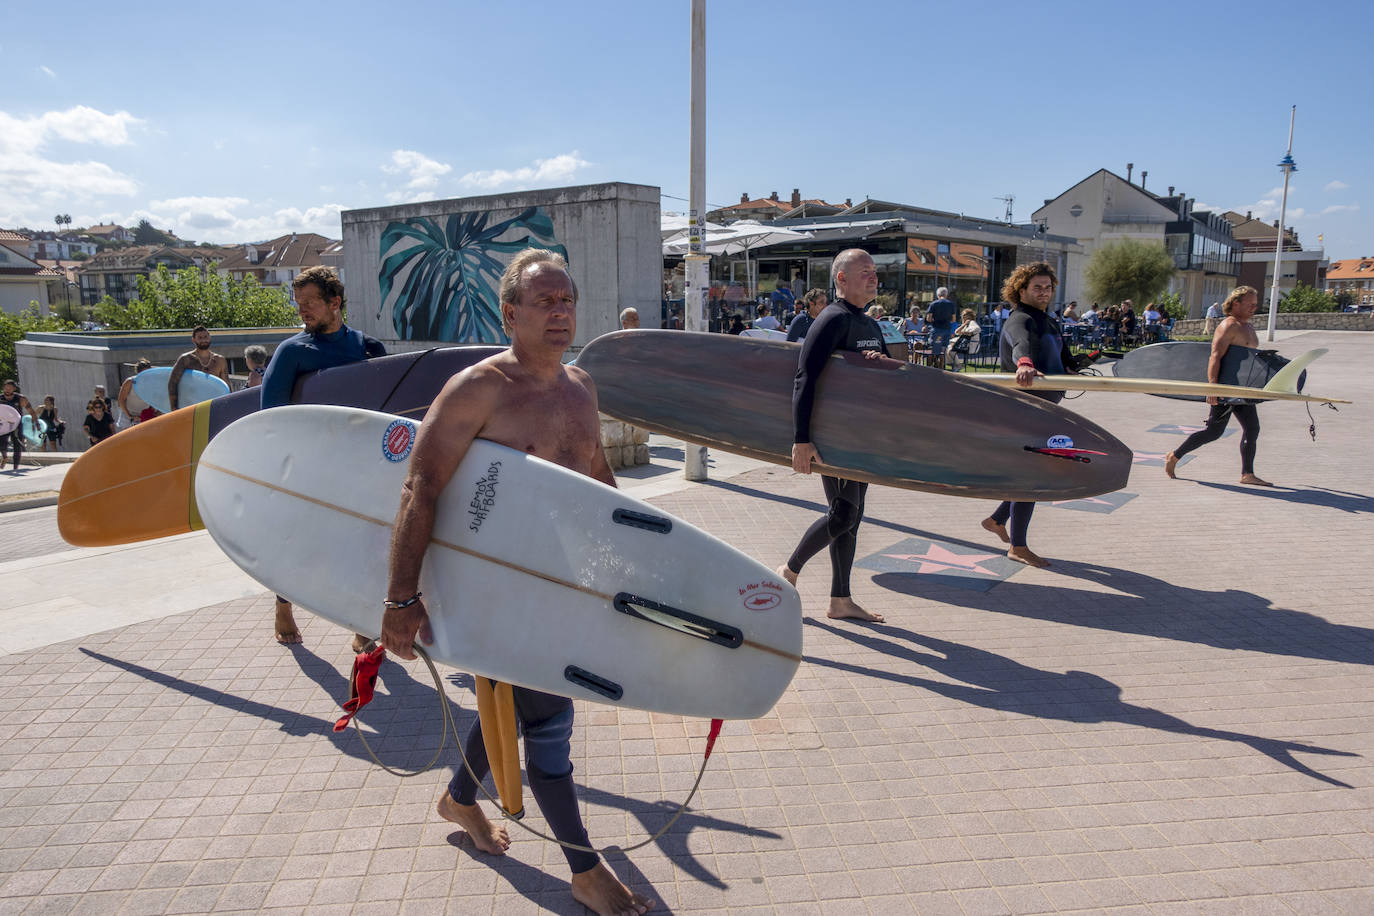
(364, 676)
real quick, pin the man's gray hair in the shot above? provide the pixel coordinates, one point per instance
(942, 293)
(627, 312)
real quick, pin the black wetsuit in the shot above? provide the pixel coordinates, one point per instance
(1029, 332)
(16, 436)
(546, 723)
(1217, 419)
(840, 326)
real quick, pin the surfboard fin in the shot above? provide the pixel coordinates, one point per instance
(1289, 378)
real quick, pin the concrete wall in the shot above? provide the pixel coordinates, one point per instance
(1290, 321)
(436, 281)
(69, 365)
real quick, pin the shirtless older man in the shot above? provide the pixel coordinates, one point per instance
(1234, 330)
(524, 398)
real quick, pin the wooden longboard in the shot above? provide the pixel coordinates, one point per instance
(534, 575)
(1162, 387)
(138, 485)
(881, 421)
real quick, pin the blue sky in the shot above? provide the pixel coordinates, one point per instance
(229, 123)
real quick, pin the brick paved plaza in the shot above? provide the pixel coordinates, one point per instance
(1174, 718)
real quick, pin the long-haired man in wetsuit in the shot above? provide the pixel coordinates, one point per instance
(1032, 344)
(841, 325)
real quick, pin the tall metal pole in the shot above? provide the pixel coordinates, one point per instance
(698, 282)
(1288, 167)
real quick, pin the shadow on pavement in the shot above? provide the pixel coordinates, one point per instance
(993, 681)
(1311, 496)
(1230, 619)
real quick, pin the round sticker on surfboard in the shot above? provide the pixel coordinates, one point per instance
(398, 440)
(1059, 442)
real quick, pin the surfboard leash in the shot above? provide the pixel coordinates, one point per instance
(1312, 422)
(364, 678)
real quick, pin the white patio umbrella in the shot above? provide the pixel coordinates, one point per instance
(744, 235)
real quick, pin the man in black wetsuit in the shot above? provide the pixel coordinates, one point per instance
(842, 325)
(1032, 344)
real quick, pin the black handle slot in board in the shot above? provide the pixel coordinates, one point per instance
(583, 678)
(722, 634)
(655, 523)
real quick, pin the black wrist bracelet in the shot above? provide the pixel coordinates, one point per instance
(397, 605)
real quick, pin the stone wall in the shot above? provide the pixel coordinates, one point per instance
(626, 446)
(1289, 321)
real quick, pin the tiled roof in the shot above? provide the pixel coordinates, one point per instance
(8, 236)
(1351, 269)
(296, 250)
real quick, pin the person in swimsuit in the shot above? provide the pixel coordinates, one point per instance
(134, 407)
(15, 439)
(202, 358)
(842, 325)
(1235, 329)
(524, 398)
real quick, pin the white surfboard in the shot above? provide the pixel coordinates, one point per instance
(195, 386)
(535, 575)
(34, 430)
(9, 419)
(1276, 390)
(765, 333)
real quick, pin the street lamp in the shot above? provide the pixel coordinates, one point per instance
(1288, 167)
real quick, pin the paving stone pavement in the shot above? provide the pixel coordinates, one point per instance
(1174, 718)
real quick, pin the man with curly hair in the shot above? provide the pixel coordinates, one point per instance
(1032, 344)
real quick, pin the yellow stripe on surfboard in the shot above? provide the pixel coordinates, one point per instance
(200, 436)
(496, 714)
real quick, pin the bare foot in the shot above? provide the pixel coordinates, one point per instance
(846, 609)
(1024, 555)
(786, 572)
(599, 890)
(361, 644)
(1170, 462)
(997, 528)
(1254, 481)
(485, 835)
(287, 632)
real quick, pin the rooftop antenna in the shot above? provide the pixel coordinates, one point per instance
(1008, 201)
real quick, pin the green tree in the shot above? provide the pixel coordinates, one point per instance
(1343, 298)
(146, 234)
(1171, 305)
(13, 328)
(1307, 299)
(191, 296)
(1128, 269)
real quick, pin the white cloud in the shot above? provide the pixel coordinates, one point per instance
(1341, 208)
(1267, 207)
(46, 70)
(1336, 185)
(422, 171)
(32, 181)
(219, 219)
(555, 170)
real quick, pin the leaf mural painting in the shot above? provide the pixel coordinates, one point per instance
(444, 284)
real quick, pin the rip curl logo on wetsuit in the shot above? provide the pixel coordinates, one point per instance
(761, 596)
(1059, 442)
(398, 440)
(484, 496)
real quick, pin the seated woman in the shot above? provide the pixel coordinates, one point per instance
(967, 338)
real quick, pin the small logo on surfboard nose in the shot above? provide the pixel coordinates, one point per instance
(398, 439)
(761, 596)
(1059, 442)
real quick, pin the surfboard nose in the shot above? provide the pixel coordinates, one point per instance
(134, 486)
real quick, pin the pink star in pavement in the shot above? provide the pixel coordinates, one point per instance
(1087, 499)
(937, 558)
(1138, 457)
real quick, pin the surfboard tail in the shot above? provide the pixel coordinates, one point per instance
(1289, 379)
(496, 713)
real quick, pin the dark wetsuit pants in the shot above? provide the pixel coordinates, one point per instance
(1020, 515)
(1217, 419)
(546, 722)
(16, 439)
(838, 529)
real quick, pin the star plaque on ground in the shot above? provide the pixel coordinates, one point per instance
(1105, 503)
(947, 563)
(1178, 429)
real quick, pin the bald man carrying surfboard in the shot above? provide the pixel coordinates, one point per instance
(526, 399)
